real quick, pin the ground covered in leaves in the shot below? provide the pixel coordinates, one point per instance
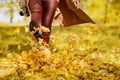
(80, 52)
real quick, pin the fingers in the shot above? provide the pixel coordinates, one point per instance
(76, 3)
(22, 4)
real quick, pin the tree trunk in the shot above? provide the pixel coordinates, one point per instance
(11, 12)
(106, 11)
(11, 16)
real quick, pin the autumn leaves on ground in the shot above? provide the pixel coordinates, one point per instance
(80, 52)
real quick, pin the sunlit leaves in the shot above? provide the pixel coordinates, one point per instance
(0, 36)
(98, 12)
(76, 53)
(17, 30)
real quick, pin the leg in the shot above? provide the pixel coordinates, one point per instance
(36, 15)
(36, 10)
(49, 8)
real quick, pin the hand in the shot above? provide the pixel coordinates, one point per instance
(22, 4)
(76, 3)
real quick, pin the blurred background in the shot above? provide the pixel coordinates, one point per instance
(81, 52)
(101, 11)
(9, 13)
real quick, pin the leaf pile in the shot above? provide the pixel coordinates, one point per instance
(88, 53)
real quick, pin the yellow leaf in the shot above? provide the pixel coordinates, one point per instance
(17, 30)
(19, 47)
(0, 36)
(24, 55)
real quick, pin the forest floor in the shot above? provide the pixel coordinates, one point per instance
(82, 52)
